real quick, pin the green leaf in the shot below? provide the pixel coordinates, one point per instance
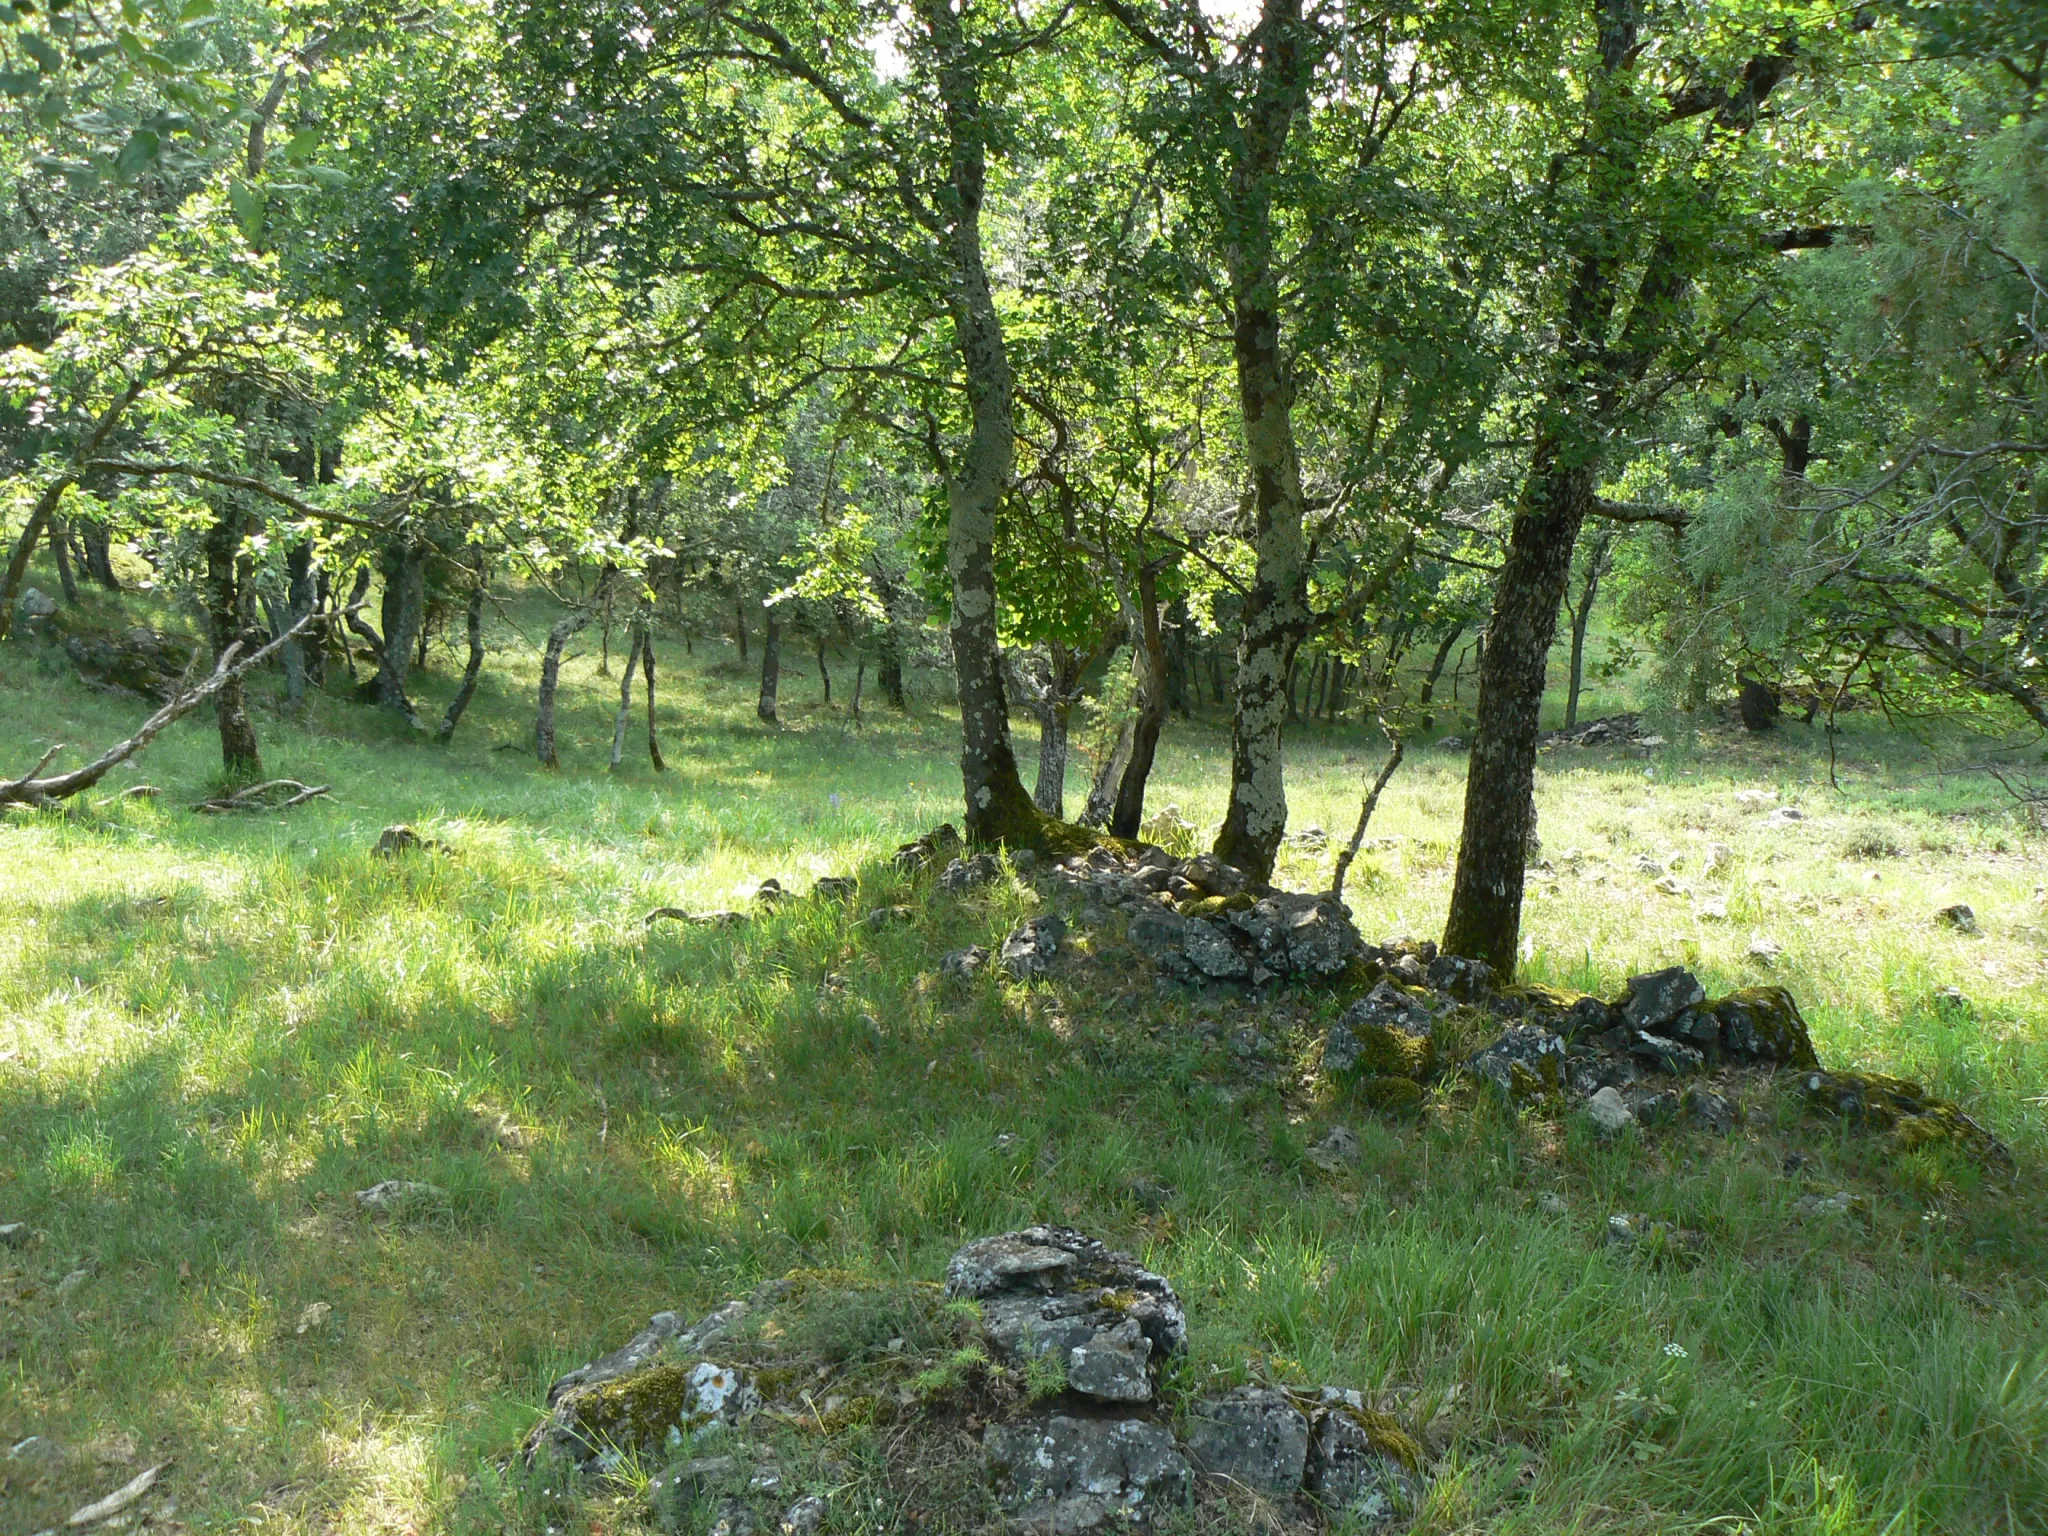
(196, 11)
(328, 175)
(141, 150)
(40, 48)
(302, 144)
(248, 205)
(131, 11)
(132, 45)
(19, 82)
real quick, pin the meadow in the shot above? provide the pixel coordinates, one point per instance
(213, 1030)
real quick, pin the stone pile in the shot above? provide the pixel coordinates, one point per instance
(1625, 730)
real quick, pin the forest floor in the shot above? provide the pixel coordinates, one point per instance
(213, 1030)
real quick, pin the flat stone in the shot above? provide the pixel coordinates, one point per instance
(1658, 997)
(1212, 953)
(1609, 1114)
(1665, 1055)
(1254, 1437)
(1111, 1365)
(1960, 916)
(1527, 1061)
(964, 963)
(965, 874)
(395, 1197)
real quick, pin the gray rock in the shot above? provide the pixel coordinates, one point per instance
(37, 604)
(1820, 1207)
(1299, 934)
(1709, 1110)
(965, 874)
(835, 888)
(398, 1197)
(1467, 980)
(1358, 1463)
(1062, 1476)
(1673, 1056)
(1408, 969)
(1032, 946)
(1253, 1437)
(1212, 877)
(769, 893)
(804, 1517)
(1525, 1062)
(1633, 1232)
(1209, 948)
(16, 1234)
(664, 1338)
(1338, 1149)
(1610, 1116)
(965, 963)
(1658, 997)
(1111, 1365)
(886, 917)
(1158, 933)
(1960, 917)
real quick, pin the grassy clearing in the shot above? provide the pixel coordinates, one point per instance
(213, 1030)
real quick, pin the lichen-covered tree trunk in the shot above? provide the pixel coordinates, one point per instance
(997, 808)
(99, 554)
(404, 612)
(550, 680)
(1129, 812)
(60, 551)
(1486, 896)
(1596, 564)
(771, 667)
(628, 675)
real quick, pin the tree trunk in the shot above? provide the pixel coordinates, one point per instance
(1109, 774)
(240, 756)
(1179, 669)
(1486, 896)
(1596, 561)
(298, 602)
(99, 555)
(628, 675)
(405, 575)
(1217, 690)
(474, 627)
(1275, 616)
(647, 671)
(550, 679)
(824, 676)
(1436, 671)
(739, 624)
(1129, 813)
(771, 667)
(1050, 793)
(997, 808)
(60, 551)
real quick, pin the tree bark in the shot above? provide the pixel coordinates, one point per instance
(997, 808)
(405, 575)
(299, 599)
(771, 667)
(647, 671)
(550, 679)
(1596, 562)
(1436, 672)
(240, 755)
(60, 551)
(628, 675)
(824, 676)
(739, 624)
(1129, 813)
(1101, 802)
(474, 626)
(99, 554)
(1275, 617)
(1179, 666)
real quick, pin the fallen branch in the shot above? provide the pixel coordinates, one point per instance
(1365, 810)
(31, 790)
(257, 798)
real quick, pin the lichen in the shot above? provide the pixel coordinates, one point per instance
(1386, 1050)
(1773, 1016)
(1910, 1116)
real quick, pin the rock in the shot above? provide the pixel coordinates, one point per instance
(887, 917)
(1719, 856)
(1764, 949)
(1174, 833)
(1212, 877)
(1640, 1234)
(1671, 885)
(1158, 933)
(1784, 816)
(1659, 997)
(1150, 1194)
(1526, 1062)
(1709, 1110)
(1657, 1106)
(1254, 1437)
(1361, 1463)
(804, 1517)
(1392, 1095)
(393, 841)
(1645, 865)
(1959, 917)
(398, 1197)
(1386, 1033)
(1610, 1116)
(835, 888)
(1339, 1148)
(16, 1234)
(1764, 1024)
(1409, 970)
(936, 845)
(1908, 1114)
(1755, 799)
(964, 963)
(1052, 1291)
(1298, 934)
(1210, 951)
(769, 893)
(1467, 980)
(664, 1406)
(1310, 839)
(1551, 1203)
(1061, 1476)
(1032, 946)
(37, 604)
(1452, 744)
(1665, 1055)
(966, 874)
(1819, 1207)
(664, 1337)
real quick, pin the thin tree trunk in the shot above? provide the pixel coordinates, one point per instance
(824, 676)
(1217, 690)
(299, 599)
(240, 756)
(473, 623)
(860, 675)
(628, 675)
(1050, 793)
(1101, 802)
(405, 573)
(771, 667)
(1596, 562)
(1436, 671)
(1129, 813)
(647, 671)
(60, 551)
(99, 554)
(739, 624)
(550, 680)
(1365, 810)
(1179, 671)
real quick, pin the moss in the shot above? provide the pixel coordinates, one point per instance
(1910, 1116)
(635, 1413)
(1773, 1017)
(1391, 1095)
(1385, 1050)
(1388, 1437)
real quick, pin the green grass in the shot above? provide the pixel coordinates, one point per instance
(213, 1030)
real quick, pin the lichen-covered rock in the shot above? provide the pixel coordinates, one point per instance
(966, 873)
(1665, 1055)
(1032, 946)
(1467, 980)
(1361, 1463)
(1158, 933)
(1651, 1238)
(1658, 997)
(1052, 1292)
(1299, 934)
(1212, 877)
(964, 963)
(1209, 949)
(1386, 1033)
(835, 888)
(1908, 1114)
(660, 1407)
(1061, 1476)
(1763, 1024)
(664, 1336)
(936, 846)
(1526, 1062)
(1254, 1437)
(1392, 1095)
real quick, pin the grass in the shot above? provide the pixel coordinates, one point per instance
(213, 1030)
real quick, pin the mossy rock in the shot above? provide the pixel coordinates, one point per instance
(1910, 1116)
(1215, 906)
(1386, 1436)
(1392, 1095)
(1765, 1022)
(1387, 1050)
(649, 1410)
